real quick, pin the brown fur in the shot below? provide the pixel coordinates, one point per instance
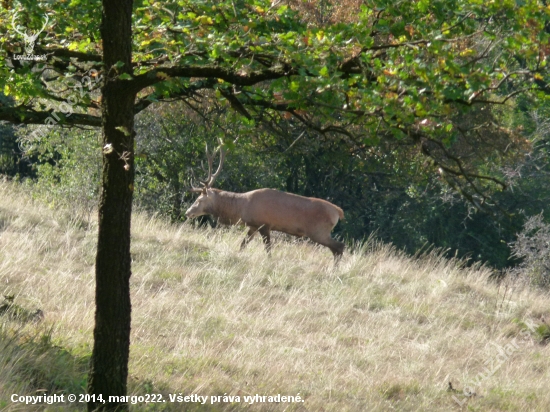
(264, 210)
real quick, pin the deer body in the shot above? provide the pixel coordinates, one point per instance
(264, 210)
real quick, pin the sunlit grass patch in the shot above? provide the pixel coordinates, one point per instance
(380, 330)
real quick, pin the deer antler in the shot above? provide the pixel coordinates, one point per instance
(207, 184)
(193, 188)
(210, 159)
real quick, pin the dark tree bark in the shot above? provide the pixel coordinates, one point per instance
(109, 363)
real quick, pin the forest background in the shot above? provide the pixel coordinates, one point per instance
(388, 184)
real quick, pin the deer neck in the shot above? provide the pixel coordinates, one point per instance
(227, 207)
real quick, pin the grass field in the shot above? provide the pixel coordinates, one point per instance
(381, 331)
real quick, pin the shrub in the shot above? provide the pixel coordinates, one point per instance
(533, 247)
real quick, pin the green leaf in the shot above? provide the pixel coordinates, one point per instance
(123, 129)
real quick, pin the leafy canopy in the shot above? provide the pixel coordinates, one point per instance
(401, 71)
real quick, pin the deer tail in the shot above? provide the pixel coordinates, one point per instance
(340, 213)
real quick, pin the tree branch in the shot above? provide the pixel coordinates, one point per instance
(189, 91)
(24, 115)
(71, 54)
(212, 72)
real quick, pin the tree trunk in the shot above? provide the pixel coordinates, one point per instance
(109, 363)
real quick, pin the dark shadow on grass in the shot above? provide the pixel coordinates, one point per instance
(32, 364)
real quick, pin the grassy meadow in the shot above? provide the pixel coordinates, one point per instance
(381, 331)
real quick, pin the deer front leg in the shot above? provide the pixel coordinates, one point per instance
(264, 231)
(251, 232)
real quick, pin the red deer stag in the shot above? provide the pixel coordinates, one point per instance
(264, 210)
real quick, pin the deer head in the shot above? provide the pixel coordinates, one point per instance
(205, 203)
(29, 39)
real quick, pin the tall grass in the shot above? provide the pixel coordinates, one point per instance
(380, 331)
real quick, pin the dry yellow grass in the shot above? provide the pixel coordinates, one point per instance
(382, 331)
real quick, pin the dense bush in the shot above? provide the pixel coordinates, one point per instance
(12, 160)
(67, 168)
(532, 246)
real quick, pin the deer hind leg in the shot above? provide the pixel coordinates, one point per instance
(337, 250)
(251, 232)
(336, 247)
(264, 231)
